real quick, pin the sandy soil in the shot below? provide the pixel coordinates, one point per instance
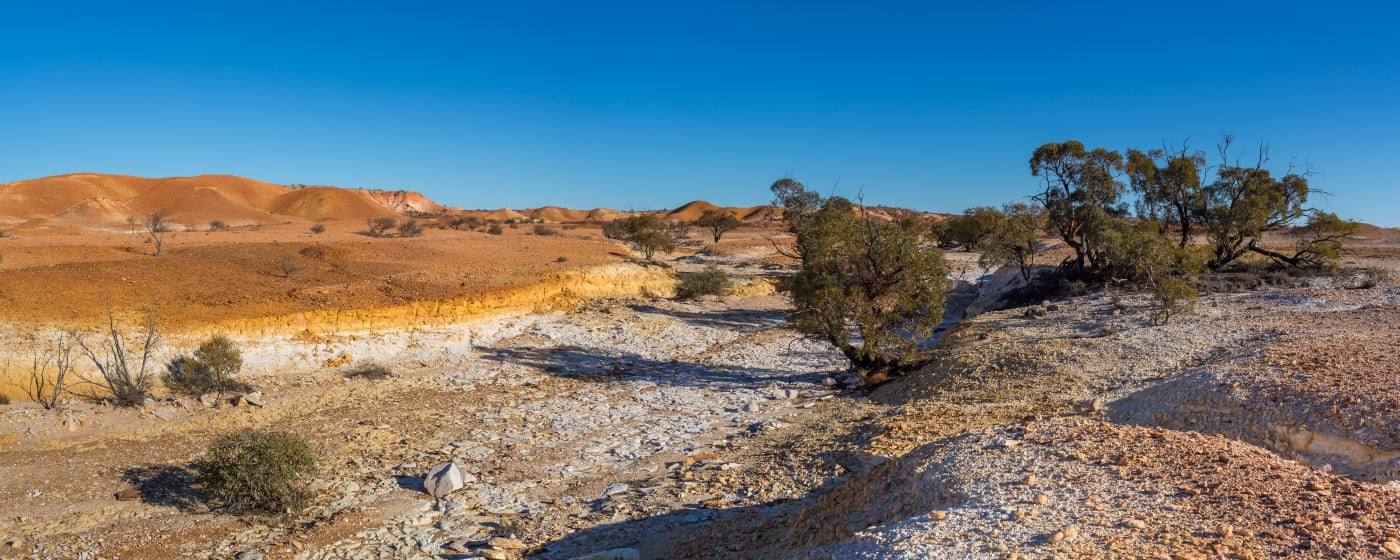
(1260, 426)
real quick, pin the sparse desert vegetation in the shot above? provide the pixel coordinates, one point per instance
(848, 353)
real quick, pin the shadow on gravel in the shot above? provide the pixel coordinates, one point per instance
(581, 363)
(165, 485)
(740, 320)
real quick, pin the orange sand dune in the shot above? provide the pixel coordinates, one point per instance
(46, 197)
(692, 211)
(557, 215)
(94, 212)
(328, 203)
(504, 214)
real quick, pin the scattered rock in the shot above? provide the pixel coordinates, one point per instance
(938, 515)
(1096, 405)
(128, 495)
(1391, 547)
(209, 400)
(505, 543)
(615, 488)
(254, 398)
(1136, 524)
(752, 406)
(1040, 499)
(1028, 479)
(493, 554)
(249, 555)
(443, 479)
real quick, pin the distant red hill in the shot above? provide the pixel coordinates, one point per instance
(103, 200)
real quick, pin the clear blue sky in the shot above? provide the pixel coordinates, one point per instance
(653, 104)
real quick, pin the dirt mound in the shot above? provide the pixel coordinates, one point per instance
(49, 196)
(602, 215)
(760, 213)
(1375, 233)
(201, 205)
(504, 214)
(692, 211)
(95, 212)
(329, 203)
(556, 214)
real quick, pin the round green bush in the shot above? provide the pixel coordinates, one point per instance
(262, 472)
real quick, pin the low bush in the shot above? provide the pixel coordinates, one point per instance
(545, 230)
(318, 229)
(410, 228)
(262, 472)
(209, 370)
(495, 229)
(712, 281)
(4, 399)
(1174, 297)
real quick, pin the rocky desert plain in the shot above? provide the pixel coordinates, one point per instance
(595, 416)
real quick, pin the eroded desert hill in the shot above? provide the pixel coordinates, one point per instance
(103, 200)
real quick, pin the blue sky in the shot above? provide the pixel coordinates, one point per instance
(653, 104)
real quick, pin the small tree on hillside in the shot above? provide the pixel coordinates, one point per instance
(719, 223)
(646, 233)
(872, 289)
(156, 227)
(1170, 187)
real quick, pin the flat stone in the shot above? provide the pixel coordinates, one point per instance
(615, 488)
(128, 495)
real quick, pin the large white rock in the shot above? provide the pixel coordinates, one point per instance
(443, 479)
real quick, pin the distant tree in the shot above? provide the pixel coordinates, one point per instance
(1080, 185)
(719, 223)
(1245, 202)
(379, 227)
(871, 289)
(1170, 186)
(798, 205)
(217, 225)
(1015, 238)
(679, 230)
(157, 227)
(646, 233)
(972, 229)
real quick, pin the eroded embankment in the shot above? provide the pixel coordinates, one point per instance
(551, 292)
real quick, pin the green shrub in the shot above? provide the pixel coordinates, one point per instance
(712, 281)
(209, 370)
(318, 228)
(1173, 297)
(262, 472)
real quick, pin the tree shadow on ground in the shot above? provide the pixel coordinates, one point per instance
(166, 485)
(613, 367)
(738, 320)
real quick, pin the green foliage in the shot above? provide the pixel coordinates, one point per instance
(1170, 187)
(262, 472)
(1079, 185)
(1318, 244)
(1014, 238)
(972, 229)
(712, 281)
(646, 233)
(211, 369)
(719, 223)
(872, 289)
(1139, 254)
(1173, 297)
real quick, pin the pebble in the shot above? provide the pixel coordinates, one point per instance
(1391, 547)
(615, 488)
(505, 543)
